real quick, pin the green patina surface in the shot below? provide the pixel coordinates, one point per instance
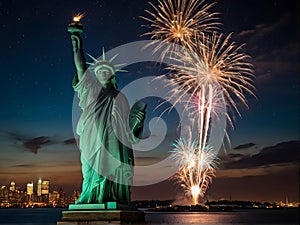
(107, 128)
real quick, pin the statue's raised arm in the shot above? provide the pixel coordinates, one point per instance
(79, 58)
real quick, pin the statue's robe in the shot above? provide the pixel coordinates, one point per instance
(107, 128)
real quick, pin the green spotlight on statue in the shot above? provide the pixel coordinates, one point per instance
(107, 129)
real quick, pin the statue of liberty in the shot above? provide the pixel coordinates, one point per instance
(107, 129)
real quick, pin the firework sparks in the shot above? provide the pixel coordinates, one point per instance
(207, 69)
(215, 66)
(214, 61)
(196, 168)
(176, 22)
(203, 106)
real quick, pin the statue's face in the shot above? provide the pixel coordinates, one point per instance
(104, 75)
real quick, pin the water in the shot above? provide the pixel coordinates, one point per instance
(46, 216)
(235, 217)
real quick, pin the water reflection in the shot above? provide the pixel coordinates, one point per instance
(45, 216)
(190, 218)
(225, 218)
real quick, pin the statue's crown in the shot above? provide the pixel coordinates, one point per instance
(98, 64)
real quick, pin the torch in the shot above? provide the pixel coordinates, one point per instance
(76, 26)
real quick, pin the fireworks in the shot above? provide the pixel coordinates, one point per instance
(213, 66)
(196, 168)
(215, 61)
(176, 22)
(211, 70)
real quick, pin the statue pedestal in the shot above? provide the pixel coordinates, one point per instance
(88, 214)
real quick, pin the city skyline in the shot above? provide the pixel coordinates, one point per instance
(36, 124)
(55, 193)
(42, 187)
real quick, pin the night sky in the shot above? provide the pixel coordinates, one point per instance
(36, 134)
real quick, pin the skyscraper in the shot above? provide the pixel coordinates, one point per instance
(30, 188)
(45, 187)
(39, 187)
(12, 186)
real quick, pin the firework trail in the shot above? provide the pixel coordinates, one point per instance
(196, 168)
(214, 61)
(208, 69)
(214, 66)
(195, 160)
(176, 22)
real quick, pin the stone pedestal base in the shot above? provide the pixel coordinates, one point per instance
(90, 217)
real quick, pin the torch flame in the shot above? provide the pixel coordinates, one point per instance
(78, 17)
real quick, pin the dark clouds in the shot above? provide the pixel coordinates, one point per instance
(234, 156)
(25, 165)
(70, 141)
(13, 136)
(275, 185)
(248, 145)
(286, 152)
(38, 94)
(36, 143)
(33, 144)
(270, 175)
